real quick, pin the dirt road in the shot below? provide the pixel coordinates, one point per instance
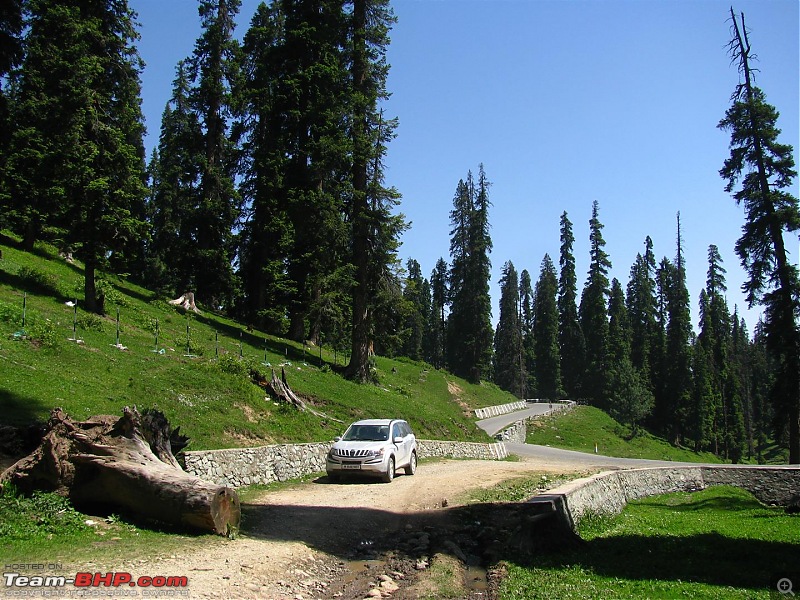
(350, 540)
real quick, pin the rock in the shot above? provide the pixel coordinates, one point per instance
(421, 565)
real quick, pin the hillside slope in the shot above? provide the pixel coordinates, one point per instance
(196, 370)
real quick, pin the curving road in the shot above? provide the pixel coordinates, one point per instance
(568, 458)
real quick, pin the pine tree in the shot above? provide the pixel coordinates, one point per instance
(469, 335)
(545, 333)
(416, 293)
(711, 364)
(678, 382)
(11, 21)
(619, 336)
(641, 305)
(435, 338)
(570, 337)
(174, 191)
(659, 359)
(267, 236)
(734, 392)
(594, 313)
(526, 305)
(76, 156)
(374, 229)
(762, 381)
(767, 171)
(214, 68)
(509, 365)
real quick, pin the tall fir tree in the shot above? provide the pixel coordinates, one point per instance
(214, 67)
(417, 295)
(434, 342)
(545, 333)
(375, 230)
(711, 365)
(594, 314)
(174, 191)
(509, 359)
(761, 384)
(619, 333)
(526, 306)
(767, 172)
(630, 397)
(267, 234)
(469, 335)
(571, 342)
(11, 22)
(76, 156)
(678, 375)
(659, 359)
(642, 307)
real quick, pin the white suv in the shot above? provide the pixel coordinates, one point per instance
(373, 447)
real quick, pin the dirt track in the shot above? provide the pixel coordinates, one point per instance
(323, 540)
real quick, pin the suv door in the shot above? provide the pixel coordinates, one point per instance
(402, 447)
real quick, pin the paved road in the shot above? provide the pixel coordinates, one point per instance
(492, 425)
(557, 455)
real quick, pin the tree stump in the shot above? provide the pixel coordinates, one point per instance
(125, 463)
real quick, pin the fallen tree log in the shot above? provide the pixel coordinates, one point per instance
(126, 464)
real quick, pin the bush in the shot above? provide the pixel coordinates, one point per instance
(39, 515)
(91, 321)
(233, 365)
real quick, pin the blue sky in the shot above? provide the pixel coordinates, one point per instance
(564, 102)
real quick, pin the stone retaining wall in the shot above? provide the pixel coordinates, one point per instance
(609, 492)
(515, 433)
(238, 467)
(441, 449)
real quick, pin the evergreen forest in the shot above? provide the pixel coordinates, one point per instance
(266, 198)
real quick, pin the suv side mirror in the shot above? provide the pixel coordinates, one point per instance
(398, 439)
(337, 438)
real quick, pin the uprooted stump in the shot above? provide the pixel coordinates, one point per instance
(125, 463)
(280, 390)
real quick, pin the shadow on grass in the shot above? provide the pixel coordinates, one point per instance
(24, 414)
(708, 558)
(19, 410)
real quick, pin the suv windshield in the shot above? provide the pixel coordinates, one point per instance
(367, 433)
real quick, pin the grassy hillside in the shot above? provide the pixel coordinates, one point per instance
(207, 390)
(584, 426)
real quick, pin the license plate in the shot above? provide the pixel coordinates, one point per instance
(351, 466)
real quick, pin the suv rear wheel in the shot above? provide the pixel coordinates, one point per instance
(411, 467)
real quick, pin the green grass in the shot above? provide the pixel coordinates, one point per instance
(718, 543)
(44, 528)
(584, 426)
(210, 394)
(521, 489)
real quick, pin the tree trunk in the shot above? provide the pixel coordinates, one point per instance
(788, 344)
(125, 463)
